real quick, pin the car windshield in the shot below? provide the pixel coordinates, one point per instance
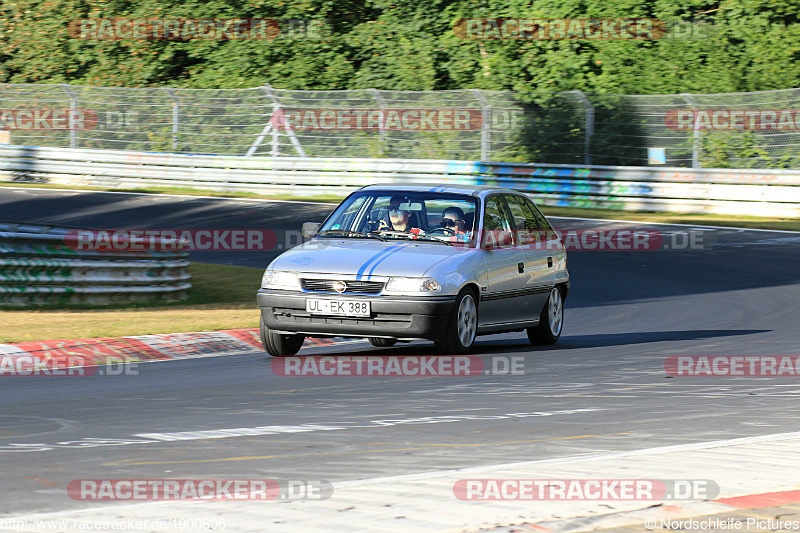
(402, 215)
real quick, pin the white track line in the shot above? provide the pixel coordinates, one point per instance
(425, 475)
(582, 458)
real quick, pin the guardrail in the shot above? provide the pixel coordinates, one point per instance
(38, 267)
(671, 189)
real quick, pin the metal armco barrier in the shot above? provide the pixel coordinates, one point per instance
(720, 191)
(38, 268)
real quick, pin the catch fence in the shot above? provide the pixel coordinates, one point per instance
(736, 130)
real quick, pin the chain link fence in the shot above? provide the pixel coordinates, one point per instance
(737, 130)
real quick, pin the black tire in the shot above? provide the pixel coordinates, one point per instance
(279, 345)
(551, 320)
(381, 343)
(462, 326)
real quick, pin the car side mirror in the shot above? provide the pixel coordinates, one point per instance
(310, 229)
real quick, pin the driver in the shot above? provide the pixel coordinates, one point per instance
(399, 216)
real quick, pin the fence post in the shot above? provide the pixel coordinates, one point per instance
(276, 105)
(383, 149)
(486, 114)
(73, 110)
(695, 133)
(261, 136)
(276, 137)
(176, 118)
(588, 127)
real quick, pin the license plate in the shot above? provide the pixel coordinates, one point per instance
(337, 307)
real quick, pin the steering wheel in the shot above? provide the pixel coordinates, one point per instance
(372, 225)
(446, 231)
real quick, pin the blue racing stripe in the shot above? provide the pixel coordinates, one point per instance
(397, 249)
(377, 257)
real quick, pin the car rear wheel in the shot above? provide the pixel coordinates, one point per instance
(462, 326)
(551, 321)
(381, 343)
(279, 345)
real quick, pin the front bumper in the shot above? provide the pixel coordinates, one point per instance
(422, 317)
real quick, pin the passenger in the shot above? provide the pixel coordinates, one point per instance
(453, 218)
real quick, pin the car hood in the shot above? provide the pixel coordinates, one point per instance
(365, 257)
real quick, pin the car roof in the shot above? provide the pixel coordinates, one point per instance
(474, 190)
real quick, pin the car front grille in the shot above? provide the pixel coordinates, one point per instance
(326, 285)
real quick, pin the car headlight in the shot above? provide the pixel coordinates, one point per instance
(413, 285)
(276, 279)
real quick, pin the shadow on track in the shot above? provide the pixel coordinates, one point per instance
(602, 340)
(568, 342)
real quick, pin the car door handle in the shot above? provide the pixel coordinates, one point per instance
(521, 267)
(549, 262)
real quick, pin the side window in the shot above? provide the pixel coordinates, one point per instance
(496, 225)
(545, 228)
(524, 217)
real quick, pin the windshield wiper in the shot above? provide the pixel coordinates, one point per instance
(414, 236)
(428, 238)
(350, 233)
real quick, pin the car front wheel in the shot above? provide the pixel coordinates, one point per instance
(381, 342)
(279, 345)
(462, 326)
(551, 321)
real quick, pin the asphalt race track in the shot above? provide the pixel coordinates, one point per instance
(602, 388)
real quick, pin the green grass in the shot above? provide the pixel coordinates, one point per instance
(222, 297)
(223, 285)
(212, 284)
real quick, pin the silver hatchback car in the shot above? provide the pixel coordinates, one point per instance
(399, 262)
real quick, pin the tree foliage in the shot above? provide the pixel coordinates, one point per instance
(714, 46)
